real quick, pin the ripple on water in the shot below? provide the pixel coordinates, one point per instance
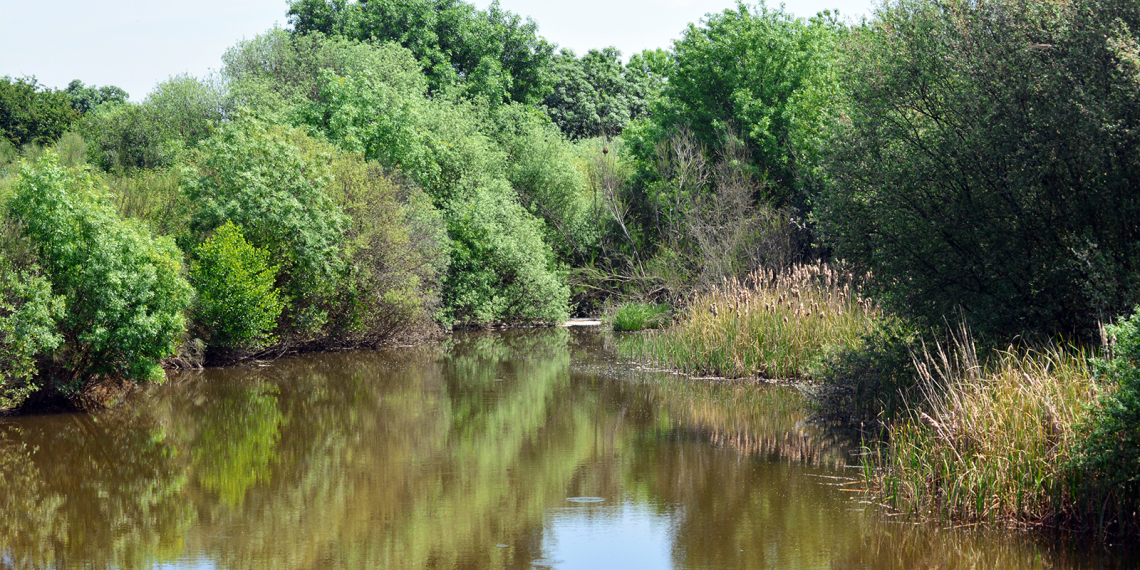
(586, 500)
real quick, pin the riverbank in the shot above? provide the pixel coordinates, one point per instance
(951, 430)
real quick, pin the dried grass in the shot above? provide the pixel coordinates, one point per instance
(772, 325)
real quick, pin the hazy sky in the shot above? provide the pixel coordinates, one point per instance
(137, 43)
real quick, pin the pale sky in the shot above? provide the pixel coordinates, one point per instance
(137, 43)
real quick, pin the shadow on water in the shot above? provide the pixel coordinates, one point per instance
(516, 449)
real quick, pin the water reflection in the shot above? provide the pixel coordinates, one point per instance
(507, 450)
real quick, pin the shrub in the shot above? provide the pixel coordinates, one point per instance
(501, 271)
(152, 196)
(542, 167)
(28, 313)
(395, 242)
(122, 287)
(237, 305)
(1109, 449)
(252, 174)
(640, 316)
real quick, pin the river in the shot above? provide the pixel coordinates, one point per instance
(516, 449)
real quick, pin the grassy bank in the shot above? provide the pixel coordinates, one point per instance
(772, 325)
(1025, 436)
(992, 440)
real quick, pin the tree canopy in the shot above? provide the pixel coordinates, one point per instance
(491, 52)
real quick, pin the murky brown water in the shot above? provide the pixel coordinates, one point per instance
(529, 449)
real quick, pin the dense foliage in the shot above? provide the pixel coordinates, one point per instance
(251, 174)
(87, 97)
(501, 269)
(596, 95)
(986, 162)
(1109, 448)
(237, 305)
(156, 133)
(122, 287)
(31, 113)
(763, 74)
(28, 311)
(491, 53)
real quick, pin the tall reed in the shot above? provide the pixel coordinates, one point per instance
(771, 325)
(991, 440)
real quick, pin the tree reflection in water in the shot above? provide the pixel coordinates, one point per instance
(460, 455)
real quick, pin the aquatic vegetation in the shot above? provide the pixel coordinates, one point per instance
(637, 316)
(772, 325)
(993, 437)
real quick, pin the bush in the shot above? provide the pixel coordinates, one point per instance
(28, 313)
(501, 271)
(542, 167)
(395, 242)
(122, 287)
(640, 316)
(237, 306)
(252, 174)
(1109, 451)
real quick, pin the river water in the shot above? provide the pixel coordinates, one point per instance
(518, 449)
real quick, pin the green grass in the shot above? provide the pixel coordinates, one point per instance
(992, 439)
(640, 316)
(773, 325)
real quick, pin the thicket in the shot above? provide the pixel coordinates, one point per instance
(985, 163)
(237, 305)
(122, 288)
(31, 113)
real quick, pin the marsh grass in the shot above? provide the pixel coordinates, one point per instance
(991, 440)
(638, 316)
(773, 325)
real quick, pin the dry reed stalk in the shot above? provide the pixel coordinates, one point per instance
(991, 443)
(772, 324)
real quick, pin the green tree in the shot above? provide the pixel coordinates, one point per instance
(277, 70)
(597, 95)
(237, 306)
(453, 41)
(123, 290)
(250, 173)
(442, 145)
(31, 113)
(762, 73)
(985, 163)
(156, 133)
(501, 271)
(87, 97)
